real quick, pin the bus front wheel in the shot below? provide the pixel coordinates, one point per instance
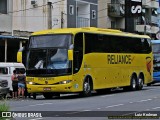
(48, 95)
(87, 88)
(34, 95)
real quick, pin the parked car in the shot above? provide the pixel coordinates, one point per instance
(6, 71)
(4, 89)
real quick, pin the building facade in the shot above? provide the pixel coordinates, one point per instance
(22, 17)
(112, 15)
(34, 15)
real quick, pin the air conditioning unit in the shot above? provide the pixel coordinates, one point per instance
(33, 2)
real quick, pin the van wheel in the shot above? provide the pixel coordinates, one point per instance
(4, 96)
(133, 84)
(87, 87)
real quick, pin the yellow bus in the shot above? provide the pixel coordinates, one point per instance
(82, 60)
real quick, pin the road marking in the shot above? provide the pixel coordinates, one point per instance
(86, 110)
(114, 106)
(36, 119)
(156, 108)
(98, 108)
(144, 100)
(77, 112)
(107, 96)
(131, 102)
(41, 104)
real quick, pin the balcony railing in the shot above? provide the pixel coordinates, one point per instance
(143, 28)
(150, 3)
(82, 22)
(116, 10)
(154, 19)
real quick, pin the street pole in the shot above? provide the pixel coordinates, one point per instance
(62, 19)
(49, 15)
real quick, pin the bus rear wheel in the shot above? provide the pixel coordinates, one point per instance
(140, 83)
(133, 84)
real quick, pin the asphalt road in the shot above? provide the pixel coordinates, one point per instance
(96, 107)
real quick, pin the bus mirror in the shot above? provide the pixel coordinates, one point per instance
(19, 56)
(70, 54)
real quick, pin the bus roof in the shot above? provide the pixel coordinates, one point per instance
(11, 64)
(88, 30)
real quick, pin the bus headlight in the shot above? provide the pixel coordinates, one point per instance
(31, 83)
(65, 82)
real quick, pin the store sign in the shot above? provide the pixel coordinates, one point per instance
(136, 7)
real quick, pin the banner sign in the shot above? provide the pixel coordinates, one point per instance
(136, 7)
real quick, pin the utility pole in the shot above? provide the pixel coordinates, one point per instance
(49, 15)
(62, 20)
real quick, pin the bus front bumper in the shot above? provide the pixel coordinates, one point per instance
(65, 88)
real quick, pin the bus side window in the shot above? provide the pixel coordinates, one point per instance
(146, 48)
(78, 52)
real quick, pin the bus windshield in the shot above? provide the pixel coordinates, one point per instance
(48, 54)
(156, 53)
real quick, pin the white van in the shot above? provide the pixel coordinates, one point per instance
(6, 71)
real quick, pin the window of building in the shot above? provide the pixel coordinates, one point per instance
(113, 24)
(3, 6)
(71, 9)
(93, 14)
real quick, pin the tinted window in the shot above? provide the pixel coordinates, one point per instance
(50, 41)
(115, 44)
(78, 52)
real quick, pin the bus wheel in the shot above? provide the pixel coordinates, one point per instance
(34, 95)
(57, 95)
(48, 95)
(140, 84)
(133, 83)
(149, 84)
(87, 87)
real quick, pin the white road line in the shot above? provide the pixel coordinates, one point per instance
(41, 104)
(86, 110)
(156, 108)
(107, 96)
(144, 100)
(98, 108)
(36, 119)
(74, 112)
(114, 106)
(131, 102)
(155, 97)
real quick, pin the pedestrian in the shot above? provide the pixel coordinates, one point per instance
(21, 83)
(14, 84)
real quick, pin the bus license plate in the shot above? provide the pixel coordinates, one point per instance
(47, 89)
